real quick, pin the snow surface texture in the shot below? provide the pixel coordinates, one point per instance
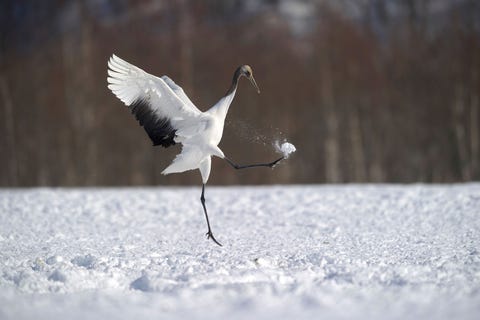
(286, 148)
(341, 252)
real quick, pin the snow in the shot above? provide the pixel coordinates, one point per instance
(286, 148)
(303, 252)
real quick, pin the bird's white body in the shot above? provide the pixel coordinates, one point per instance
(198, 132)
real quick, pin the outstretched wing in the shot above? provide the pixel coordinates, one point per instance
(159, 105)
(178, 91)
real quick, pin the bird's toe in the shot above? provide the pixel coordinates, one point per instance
(209, 235)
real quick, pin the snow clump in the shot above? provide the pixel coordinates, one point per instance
(285, 148)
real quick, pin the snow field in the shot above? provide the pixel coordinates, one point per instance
(355, 251)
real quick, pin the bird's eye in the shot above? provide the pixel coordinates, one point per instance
(248, 73)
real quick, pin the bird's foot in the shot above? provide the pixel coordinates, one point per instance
(274, 163)
(209, 235)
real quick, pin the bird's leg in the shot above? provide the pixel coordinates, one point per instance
(270, 164)
(209, 233)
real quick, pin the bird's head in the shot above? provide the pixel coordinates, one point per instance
(247, 72)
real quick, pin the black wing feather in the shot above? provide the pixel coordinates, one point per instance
(159, 129)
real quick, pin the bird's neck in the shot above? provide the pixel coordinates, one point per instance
(236, 77)
(222, 106)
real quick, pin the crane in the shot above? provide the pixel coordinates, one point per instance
(169, 117)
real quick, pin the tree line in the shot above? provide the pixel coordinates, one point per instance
(376, 97)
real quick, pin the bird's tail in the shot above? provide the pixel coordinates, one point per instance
(188, 159)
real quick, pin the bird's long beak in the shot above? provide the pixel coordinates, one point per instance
(254, 83)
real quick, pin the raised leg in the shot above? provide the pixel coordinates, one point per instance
(270, 164)
(209, 233)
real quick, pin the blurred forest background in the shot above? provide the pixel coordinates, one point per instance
(367, 90)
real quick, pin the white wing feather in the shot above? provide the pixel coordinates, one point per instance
(168, 100)
(178, 91)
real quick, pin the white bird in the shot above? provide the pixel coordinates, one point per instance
(169, 117)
